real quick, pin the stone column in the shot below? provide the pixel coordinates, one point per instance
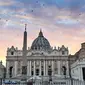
(44, 68)
(15, 68)
(52, 67)
(67, 69)
(28, 68)
(40, 69)
(59, 69)
(34, 68)
(81, 73)
(21, 67)
(7, 69)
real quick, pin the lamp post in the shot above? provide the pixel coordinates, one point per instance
(42, 79)
(3, 76)
(0, 81)
(50, 75)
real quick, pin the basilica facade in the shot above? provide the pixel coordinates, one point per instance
(38, 60)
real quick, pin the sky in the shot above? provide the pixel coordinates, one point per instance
(62, 23)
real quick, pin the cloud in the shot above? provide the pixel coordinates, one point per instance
(76, 5)
(62, 22)
(6, 2)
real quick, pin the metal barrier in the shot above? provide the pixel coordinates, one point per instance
(53, 82)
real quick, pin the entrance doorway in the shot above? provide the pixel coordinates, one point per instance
(37, 72)
(83, 72)
(10, 71)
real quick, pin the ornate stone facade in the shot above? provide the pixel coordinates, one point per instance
(78, 66)
(40, 59)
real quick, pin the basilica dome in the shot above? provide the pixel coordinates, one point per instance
(40, 43)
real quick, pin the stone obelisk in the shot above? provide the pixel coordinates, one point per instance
(24, 56)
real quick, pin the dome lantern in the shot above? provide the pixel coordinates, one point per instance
(40, 33)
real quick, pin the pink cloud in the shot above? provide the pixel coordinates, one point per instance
(12, 33)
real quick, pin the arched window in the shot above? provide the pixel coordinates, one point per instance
(63, 52)
(10, 71)
(12, 53)
(64, 70)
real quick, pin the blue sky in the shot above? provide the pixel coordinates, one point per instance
(62, 22)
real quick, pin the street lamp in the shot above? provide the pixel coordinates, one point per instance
(70, 70)
(0, 81)
(42, 79)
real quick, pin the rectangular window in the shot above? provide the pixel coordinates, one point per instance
(83, 72)
(32, 73)
(42, 73)
(63, 52)
(37, 72)
(24, 69)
